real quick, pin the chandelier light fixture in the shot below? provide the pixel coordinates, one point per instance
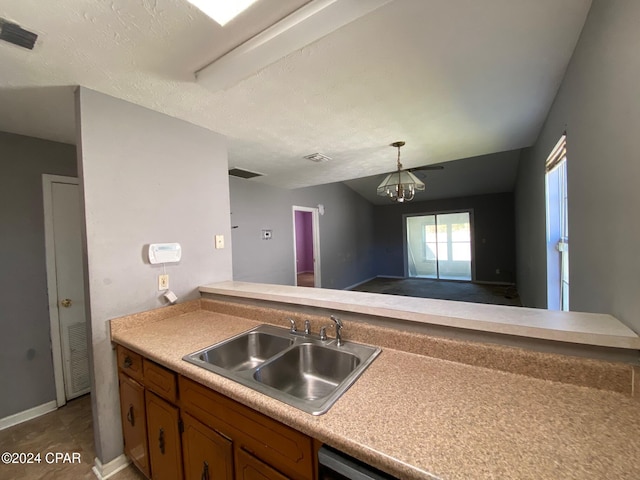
(401, 185)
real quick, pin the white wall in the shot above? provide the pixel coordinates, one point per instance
(146, 178)
(599, 106)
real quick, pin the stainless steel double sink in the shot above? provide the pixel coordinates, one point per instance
(298, 369)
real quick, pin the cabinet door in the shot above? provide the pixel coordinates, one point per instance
(164, 439)
(207, 454)
(134, 425)
(249, 467)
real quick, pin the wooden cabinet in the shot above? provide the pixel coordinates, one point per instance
(160, 381)
(164, 439)
(150, 417)
(206, 453)
(134, 422)
(175, 428)
(130, 363)
(285, 449)
(249, 467)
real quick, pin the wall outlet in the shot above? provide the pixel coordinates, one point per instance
(163, 282)
(219, 241)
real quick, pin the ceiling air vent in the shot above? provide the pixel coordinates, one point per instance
(238, 172)
(317, 157)
(12, 33)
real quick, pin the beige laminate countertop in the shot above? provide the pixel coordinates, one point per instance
(417, 417)
(573, 327)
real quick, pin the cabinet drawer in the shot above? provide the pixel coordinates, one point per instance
(160, 380)
(130, 363)
(282, 447)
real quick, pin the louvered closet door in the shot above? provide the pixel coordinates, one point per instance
(67, 234)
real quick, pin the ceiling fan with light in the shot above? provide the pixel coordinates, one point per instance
(401, 186)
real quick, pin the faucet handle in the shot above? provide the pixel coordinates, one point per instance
(307, 327)
(338, 326)
(323, 333)
(293, 328)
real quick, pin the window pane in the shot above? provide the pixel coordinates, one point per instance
(443, 251)
(461, 252)
(431, 251)
(421, 255)
(460, 232)
(430, 233)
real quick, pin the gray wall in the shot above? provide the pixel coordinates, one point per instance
(26, 366)
(494, 234)
(346, 233)
(599, 106)
(146, 178)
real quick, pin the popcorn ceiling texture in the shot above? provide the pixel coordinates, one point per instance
(447, 77)
(418, 417)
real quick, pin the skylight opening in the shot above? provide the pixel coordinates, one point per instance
(222, 11)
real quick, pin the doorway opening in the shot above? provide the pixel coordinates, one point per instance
(439, 246)
(306, 247)
(557, 228)
(65, 285)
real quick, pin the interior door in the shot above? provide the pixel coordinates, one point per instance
(306, 246)
(69, 276)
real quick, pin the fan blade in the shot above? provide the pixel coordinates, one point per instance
(427, 167)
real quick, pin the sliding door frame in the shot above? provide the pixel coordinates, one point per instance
(405, 252)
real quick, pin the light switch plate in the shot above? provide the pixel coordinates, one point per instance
(219, 241)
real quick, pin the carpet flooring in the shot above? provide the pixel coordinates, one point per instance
(443, 290)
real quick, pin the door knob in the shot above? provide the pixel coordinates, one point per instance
(66, 303)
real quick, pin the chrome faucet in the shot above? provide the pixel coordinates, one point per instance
(293, 328)
(307, 327)
(338, 326)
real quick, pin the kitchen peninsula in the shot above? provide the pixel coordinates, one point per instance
(416, 416)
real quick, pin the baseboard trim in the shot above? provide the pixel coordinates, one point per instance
(502, 284)
(390, 276)
(359, 283)
(102, 472)
(29, 414)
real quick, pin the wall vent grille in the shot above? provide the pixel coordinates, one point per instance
(317, 157)
(238, 172)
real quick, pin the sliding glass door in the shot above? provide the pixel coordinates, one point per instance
(439, 246)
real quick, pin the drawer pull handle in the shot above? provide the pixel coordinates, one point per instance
(161, 441)
(205, 471)
(130, 415)
(128, 362)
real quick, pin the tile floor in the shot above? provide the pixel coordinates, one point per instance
(67, 430)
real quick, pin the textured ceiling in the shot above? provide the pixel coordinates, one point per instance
(453, 78)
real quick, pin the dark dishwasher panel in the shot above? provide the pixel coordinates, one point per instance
(335, 465)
